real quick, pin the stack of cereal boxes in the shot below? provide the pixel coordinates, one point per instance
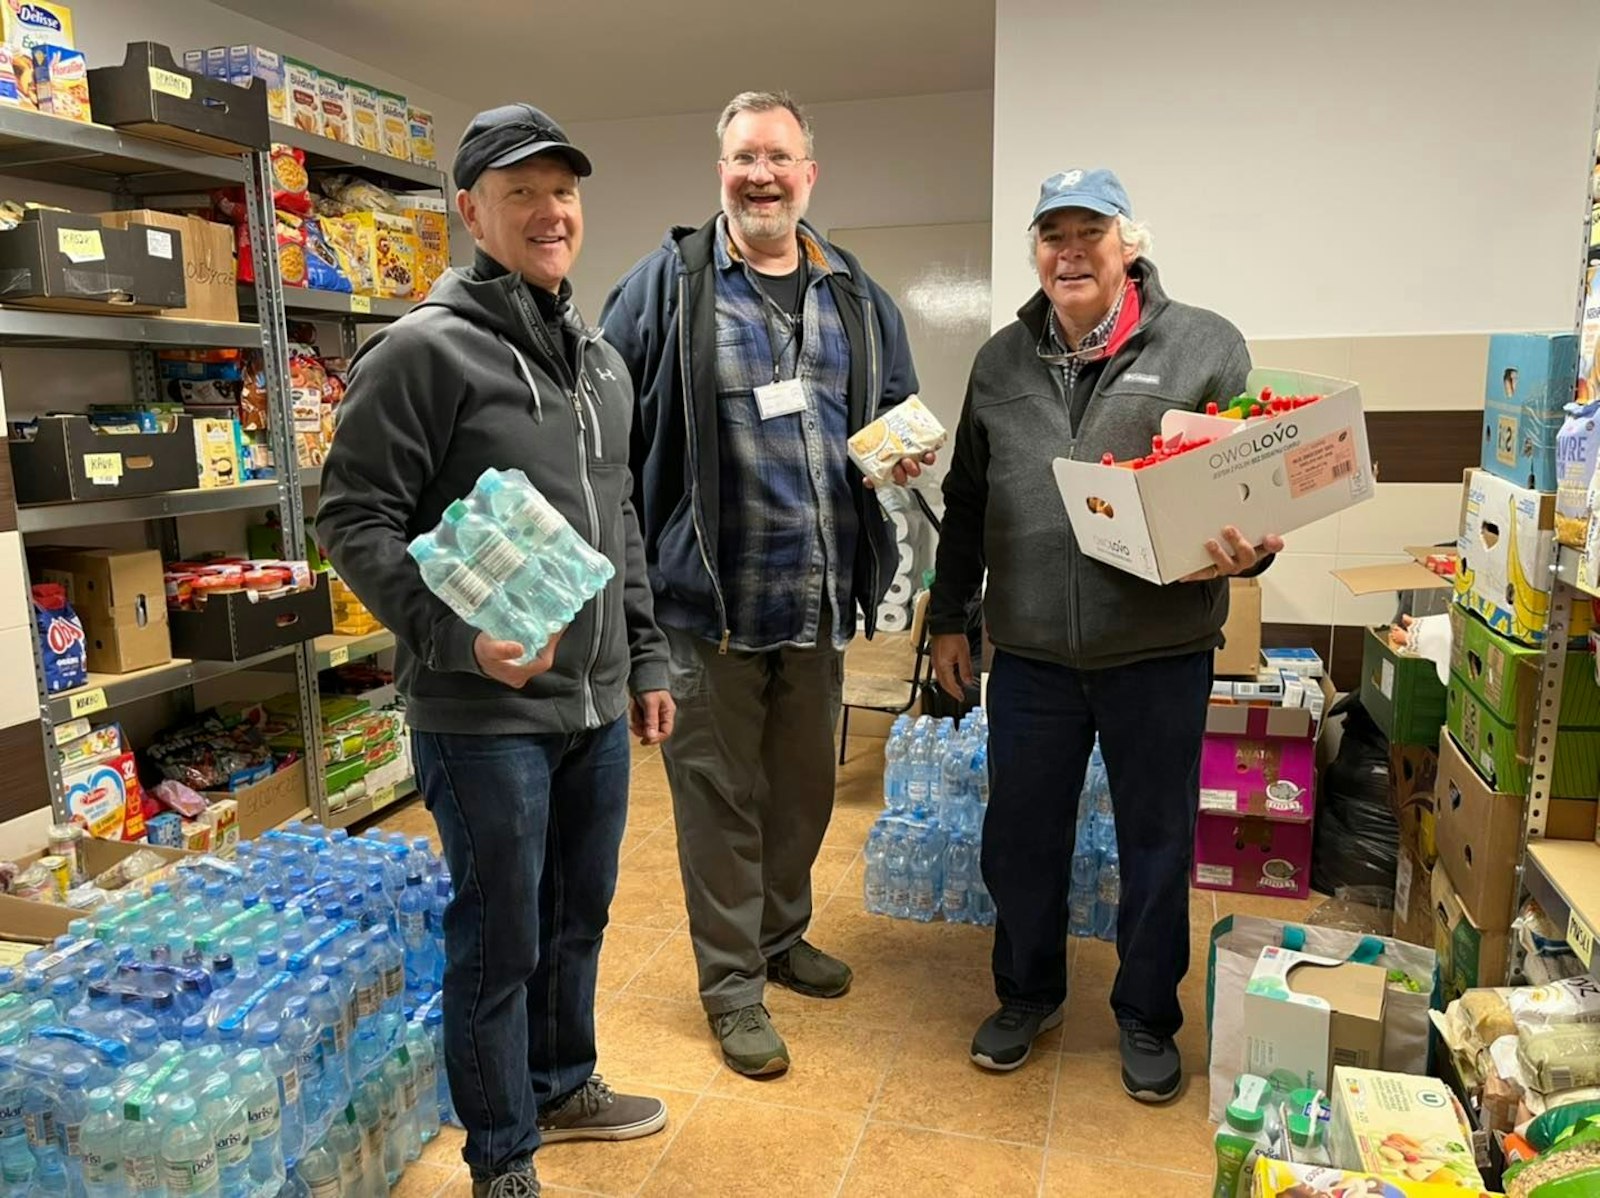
(1499, 624)
(40, 70)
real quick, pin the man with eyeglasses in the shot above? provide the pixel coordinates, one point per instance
(757, 349)
(1089, 366)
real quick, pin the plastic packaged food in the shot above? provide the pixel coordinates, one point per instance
(66, 842)
(1280, 1179)
(61, 645)
(1560, 1056)
(906, 430)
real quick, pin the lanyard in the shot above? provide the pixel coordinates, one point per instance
(794, 323)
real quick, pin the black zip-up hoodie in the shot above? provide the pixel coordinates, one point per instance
(475, 377)
(1002, 509)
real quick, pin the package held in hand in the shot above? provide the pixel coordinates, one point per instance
(508, 563)
(907, 430)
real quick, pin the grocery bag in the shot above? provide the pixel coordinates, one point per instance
(1236, 944)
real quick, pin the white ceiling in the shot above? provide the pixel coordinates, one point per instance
(610, 59)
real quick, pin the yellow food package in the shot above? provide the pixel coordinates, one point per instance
(1280, 1179)
(62, 80)
(36, 23)
(394, 125)
(1402, 1127)
(398, 253)
(348, 240)
(364, 126)
(216, 444)
(432, 225)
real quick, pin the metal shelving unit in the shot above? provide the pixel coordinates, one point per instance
(324, 154)
(106, 691)
(77, 154)
(335, 650)
(79, 330)
(91, 513)
(360, 309)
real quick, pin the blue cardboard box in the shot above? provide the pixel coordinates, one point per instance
(1532, 376)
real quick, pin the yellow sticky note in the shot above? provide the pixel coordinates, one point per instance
(87, 702)
(1580, 938)
(171, 83)
(337, 657)
(81, 245)
(102, 469)
(361, 303)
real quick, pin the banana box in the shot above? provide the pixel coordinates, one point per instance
(1280, 1179)
(1507, 543)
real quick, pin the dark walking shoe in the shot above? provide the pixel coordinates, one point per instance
(808, 970)
(520, 1182)
(597, 1112)
(750, 1045)
(1006, 1037)
(1152, 1071)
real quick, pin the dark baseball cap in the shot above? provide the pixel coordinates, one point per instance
(510, 134)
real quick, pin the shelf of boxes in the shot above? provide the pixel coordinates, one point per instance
(81, 154)
(324, 153)
(94, 513)
(83, 330)
(362, 809)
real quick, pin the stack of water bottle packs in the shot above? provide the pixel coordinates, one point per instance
(1096, 890)
(246, 1029)
(922, 855)
(508, 563)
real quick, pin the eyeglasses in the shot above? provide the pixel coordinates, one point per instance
(779, 163)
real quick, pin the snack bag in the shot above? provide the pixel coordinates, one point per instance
(906, 430)
(61, 644)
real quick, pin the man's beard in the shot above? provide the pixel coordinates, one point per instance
(766, 226)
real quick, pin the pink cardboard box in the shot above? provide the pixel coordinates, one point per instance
(1259, 761)
(1252, 855)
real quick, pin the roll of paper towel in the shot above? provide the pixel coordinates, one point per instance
(902, 526)
(899, 593)
(892, 619)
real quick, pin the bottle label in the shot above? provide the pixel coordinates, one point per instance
(143, 1173)
(414, 927)
(394, 982)
(465, 590)
(311, 1064)
(73, 1138)
(366, 1002)
(10, 1111)
(428, 1077)
(408, 1092)
(41, 1129)
(374, 1138)
(498, 557)
(289, 1085)
(337, 1037)
(233, 1144)
(265, 1117)
(328, 1187)
(98, 1162)
(193, 1176)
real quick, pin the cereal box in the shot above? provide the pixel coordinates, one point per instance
(397, 252)
(246, 63)
(1280, 1179)
(1402, 1127)
(333, 100)
(9, 93)
(31, 23)
(364, 116)
(432, 224)
(305, 109)
(63, 82)
(106, 800)
(216, 444)
(26, 78)
(422, 151)
(394, 127)
(217, 62)
(194, 61)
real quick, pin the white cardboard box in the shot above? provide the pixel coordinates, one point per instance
(1269, 477)
(1506, 546)
(1304, 1015)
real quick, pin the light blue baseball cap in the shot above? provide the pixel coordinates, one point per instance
(1097, 190)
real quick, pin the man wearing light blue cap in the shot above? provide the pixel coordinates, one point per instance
(1084, 650)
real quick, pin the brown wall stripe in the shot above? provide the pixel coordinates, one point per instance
(1339, 645)
(24, 786)
(8, 496)
(1424, 447)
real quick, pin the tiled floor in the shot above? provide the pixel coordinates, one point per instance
(881, 1099)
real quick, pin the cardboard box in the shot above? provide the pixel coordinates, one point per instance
(333, 102)
(40, 923)
(36, 23)
(67, 459)
(55, 255)
(394, 126)
(149, 94)
(1401, 1126)
(150, 263)
(18, 88)
(264, 805)
(421, 136)
(1505, 675)
(1503, 753)
(1258, 761)
(1285, 1179)
(218, 448)
(1413, 899)
(431, 221)
(209, 271)
(106, 799)
(1470, 955)
(364, 129)
(121, 598)
(1413, 775)
(305, 107)
(1303, 1015)
(1532, 377)
(1401, 691)
(1418, 590)
(217, 63)
(1240, 655)
(247, 63)
(61, 78)
(1270, 476)
(1507, 539)
(1480, 834)
(1252, 855)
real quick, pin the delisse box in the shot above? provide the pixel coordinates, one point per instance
(1507, 538)
(1266, 476)
(1532, 377)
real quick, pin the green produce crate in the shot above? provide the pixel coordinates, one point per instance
(1505, 675)
(1402, 693)
(1503, 754)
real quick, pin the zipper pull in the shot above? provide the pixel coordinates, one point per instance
(577, 410)
(727, 635)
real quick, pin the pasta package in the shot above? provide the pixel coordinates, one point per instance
(906, 430)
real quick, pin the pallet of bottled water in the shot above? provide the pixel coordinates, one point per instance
(263, 1026)
(508, 563)
(923, 853)
(1095, 895)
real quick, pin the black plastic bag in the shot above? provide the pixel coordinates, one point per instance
(1357, 842)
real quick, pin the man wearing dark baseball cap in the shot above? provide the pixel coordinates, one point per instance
(1082, 649)
(524, 767)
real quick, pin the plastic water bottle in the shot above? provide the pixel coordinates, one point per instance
(263, 1108)
(894, 766)
(922, 772)
(960, 860)
(188, 1152)
(420, 1045)
(433, 1024)
(953, 779)
(390, 961)
(1085, 875)
(230, 1128)
(1109, 896)
(343, 991)
(897, 870)
(876, 883)
(369, 1118)
(399, 1081)
(420, 965)
(979, 901)
(471, 595)
(281, 1068)
(320, 1172)
(350, 1152)
(926, 883)
(100, 1148)
(533, 521)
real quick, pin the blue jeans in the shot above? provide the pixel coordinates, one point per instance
(531, 827)
(1043, 718)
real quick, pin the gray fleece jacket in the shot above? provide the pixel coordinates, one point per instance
(1044, 599)
(474, 377)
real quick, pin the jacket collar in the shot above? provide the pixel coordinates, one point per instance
(1035, 314)
(821, 257)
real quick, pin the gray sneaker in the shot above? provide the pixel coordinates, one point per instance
(1006, 1038)
(597, 1112)
(806, 969)
(514, 1183)
(750, 1044)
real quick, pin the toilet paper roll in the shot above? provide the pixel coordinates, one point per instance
(902, 526)
(899, 593)
(892, 619)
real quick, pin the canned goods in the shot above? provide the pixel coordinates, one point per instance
(59, 872)
(34, 883)
(66, 841)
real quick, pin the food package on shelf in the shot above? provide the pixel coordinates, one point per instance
(1577, 445)
(1559, 1057)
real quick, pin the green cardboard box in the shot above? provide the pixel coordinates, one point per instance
(1505, 675)
(1503, 752)
(1401, 692)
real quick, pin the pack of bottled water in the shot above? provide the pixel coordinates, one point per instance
(923, 853)
(250, 1028)
(1095, 895)
(507, 562)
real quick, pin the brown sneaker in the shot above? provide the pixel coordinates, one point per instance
(597, 1112)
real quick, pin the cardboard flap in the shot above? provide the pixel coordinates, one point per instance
(1229, 719)
(1395, 576)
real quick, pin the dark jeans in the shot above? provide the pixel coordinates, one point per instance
(531, 827)
(1043, 720)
